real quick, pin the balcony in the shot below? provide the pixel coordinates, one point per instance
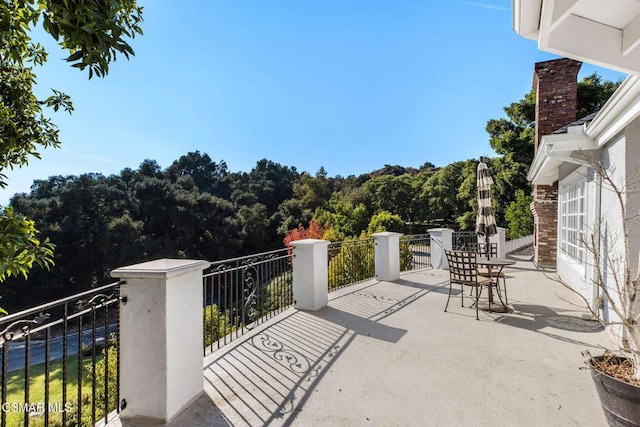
(381, 350)
(385, 353)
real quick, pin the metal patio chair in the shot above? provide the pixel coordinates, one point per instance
(463, 270)
(490, 250)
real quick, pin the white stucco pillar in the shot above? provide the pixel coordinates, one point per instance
(441, 240)
(387, 255)
(310, 274)
(500, 240)
(160, 338)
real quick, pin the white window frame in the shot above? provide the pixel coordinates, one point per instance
(572, 220)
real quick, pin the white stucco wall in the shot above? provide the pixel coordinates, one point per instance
(632, 165)
(613, 156)
(621, 157)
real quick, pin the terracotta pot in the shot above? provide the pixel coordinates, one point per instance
(620, 400)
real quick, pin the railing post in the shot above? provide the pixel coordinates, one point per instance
(441, 240)
(387, 255)
(500, 239)
(310, 274)
(160, 338)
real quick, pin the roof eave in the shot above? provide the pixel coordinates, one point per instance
(526, 18)
(545, 168)
(621, 109)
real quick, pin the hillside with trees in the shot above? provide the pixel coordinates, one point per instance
(197, 208)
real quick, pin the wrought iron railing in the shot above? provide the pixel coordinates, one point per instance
(241, 293)
(461, 240)
(415, 252)
(351, 261)
(60, 361)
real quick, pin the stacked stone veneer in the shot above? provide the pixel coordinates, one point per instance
(556, 86)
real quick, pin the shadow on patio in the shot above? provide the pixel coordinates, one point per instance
(386, 353)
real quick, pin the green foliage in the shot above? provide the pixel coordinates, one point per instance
(20, 248)
(352, 262)
(447, 193)
(332, 235)
(593, 92)
(393, 194)
(196, 208)
(93, 33)
(206, 174)
(345, 218)
(385, 221)
(519, 218)
(15, 388)
(406, 255)
(215, 324)
(106, 374)
(513, 138)
(313, 192)
(279, 292)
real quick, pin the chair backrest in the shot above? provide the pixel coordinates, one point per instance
(482, 248)
(462, 267)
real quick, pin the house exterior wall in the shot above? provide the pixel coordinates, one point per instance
(577, 274)
(620, 157)
(632, 173)
(612, 245)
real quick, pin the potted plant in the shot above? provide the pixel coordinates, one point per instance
(616, 373)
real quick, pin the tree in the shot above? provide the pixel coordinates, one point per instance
(519, 218)
(512, 137)
(385, 221)
(313, 192)
(315, 231)
(207, 175)
(20, 248)
(93, 33)
(593, 92)
(392, 193)
(441, 195)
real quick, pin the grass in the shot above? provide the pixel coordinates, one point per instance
(15, 390)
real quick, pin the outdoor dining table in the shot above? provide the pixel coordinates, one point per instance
(490, 264)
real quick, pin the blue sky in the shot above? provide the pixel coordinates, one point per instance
(348, 85)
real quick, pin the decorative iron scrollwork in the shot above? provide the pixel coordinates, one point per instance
(251, 310)
(94, 301)
(21, 328)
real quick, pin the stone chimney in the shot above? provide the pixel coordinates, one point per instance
(556, 86)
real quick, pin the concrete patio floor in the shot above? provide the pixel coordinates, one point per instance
(385, 353)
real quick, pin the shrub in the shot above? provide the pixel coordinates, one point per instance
(215, 325)
(353, 262)
(279, 292)
(406, 255)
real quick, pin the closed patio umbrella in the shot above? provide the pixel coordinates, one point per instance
(485, 221)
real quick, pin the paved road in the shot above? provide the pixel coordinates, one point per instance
(16, 358)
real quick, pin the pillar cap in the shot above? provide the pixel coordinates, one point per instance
(309, 242)
(385, 233)
(160, 268)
